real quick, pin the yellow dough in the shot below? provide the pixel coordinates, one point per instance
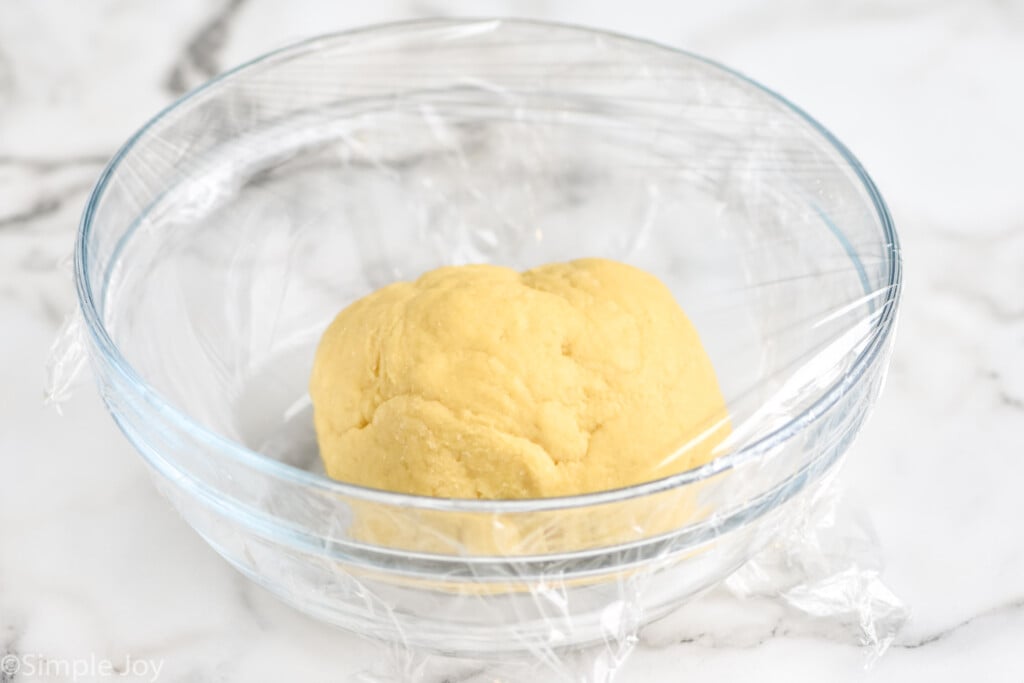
(482, 382)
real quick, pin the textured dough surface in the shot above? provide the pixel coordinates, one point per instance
(482, 382)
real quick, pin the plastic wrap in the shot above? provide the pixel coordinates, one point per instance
(226, 234)
(823, 568)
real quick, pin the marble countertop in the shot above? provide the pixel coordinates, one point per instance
(95, 566)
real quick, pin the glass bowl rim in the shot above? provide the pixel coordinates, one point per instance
(882, 327)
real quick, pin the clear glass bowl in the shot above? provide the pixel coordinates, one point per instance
(225, 235)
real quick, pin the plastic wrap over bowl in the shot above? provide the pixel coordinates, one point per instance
(226, 234)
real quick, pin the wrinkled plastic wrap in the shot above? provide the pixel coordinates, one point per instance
(226, 234)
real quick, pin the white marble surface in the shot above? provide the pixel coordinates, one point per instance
(94, 565)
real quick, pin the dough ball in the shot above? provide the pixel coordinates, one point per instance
(482, 382)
